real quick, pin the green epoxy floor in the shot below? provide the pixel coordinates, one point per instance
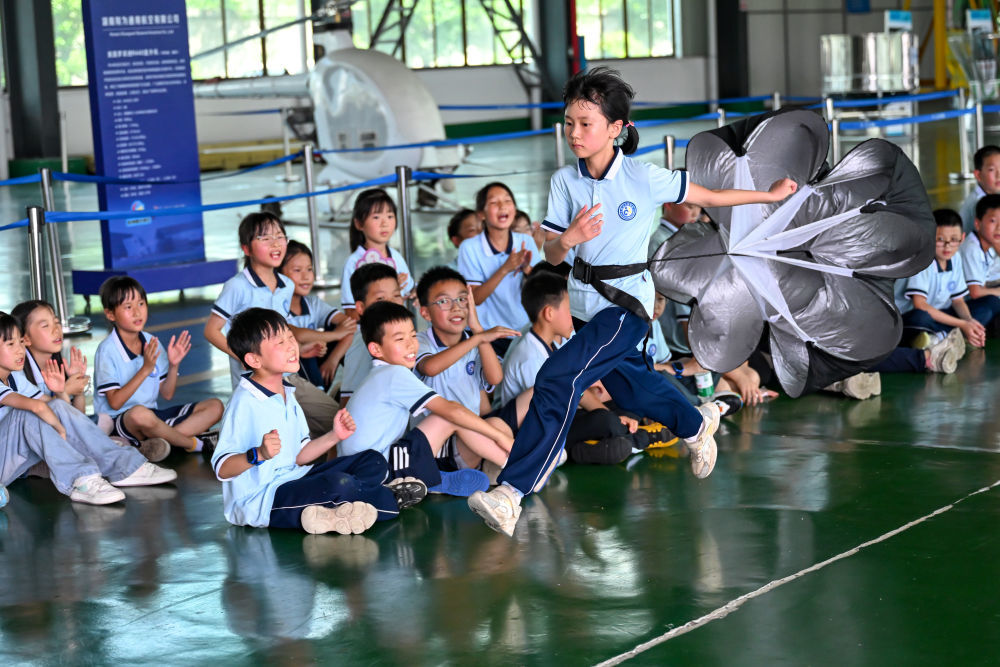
(604, 559)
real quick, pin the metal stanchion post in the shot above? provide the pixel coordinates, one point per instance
(286, 146)
(557, 129)
(980, 128)
(828, 106)
(964, 172)
(63, 143)
(775, 100)
(319, 258)
(669, 144)
(403, 214)
(835, 123)
(71, 324)
(36, 220)
(722, 117)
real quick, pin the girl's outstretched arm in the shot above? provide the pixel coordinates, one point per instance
(702, 196)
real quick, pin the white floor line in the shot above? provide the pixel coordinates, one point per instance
(736, 603)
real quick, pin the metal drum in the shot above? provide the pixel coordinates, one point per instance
(875, 62)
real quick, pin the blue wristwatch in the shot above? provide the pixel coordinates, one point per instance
(678, 369)
(252, 457)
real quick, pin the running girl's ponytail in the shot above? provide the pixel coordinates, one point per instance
(605, 88)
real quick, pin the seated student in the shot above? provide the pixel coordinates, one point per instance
(392, 394)
(326, 329)
(986, 163)
(455, 357)
(981, 262)
(131, 372)
(932, 302)
(524, 225)
(496, 262)
(263, 242)
(264, 452)
(596, 434)
(464, 225)
(372, 283)
(35, 428)
(43, 338)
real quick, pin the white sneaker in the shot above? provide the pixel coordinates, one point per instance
(346, 519)
(942, 356)
(499, 508)
(861, 386)
(957, 342)
(154, 449)
(704, 451)
(148, 475)
(95, 490)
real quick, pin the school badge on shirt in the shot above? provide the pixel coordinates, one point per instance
(626, 211)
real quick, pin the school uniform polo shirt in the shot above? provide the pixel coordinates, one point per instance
(478, 260)
(462, 381)
(630, 193)
(521, 364)
(115, 365)
(939, 286)
(968, 209)
(981, 266)
(382, 407)
(357, 365)
(656, 344)
(254, 411)
(316, 313)
(662, 231)
(362, 256)
(17, 383)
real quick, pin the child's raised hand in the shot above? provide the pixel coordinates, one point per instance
(585, 226)
(493, 334)
(517, 260)
(401, 279)
(178, 347)
(77, 384)
(310, 350)
(783, 188)
(473, 323)
(631, 424)
(150, 353)
(343, 424)
(77, 362)
(54, 376)
(270, 445)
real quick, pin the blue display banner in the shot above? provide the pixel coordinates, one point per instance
(142, 113)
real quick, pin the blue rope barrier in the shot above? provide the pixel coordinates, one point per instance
(22, 180)
(441, 142)
(879, 101)
(23, 222)
(679, 143)
(912, 120)
(559, 105)
(108, 180)
(252, 112)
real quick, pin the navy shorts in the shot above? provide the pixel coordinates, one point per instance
(507, 413)
(411, 456)
(171, 416)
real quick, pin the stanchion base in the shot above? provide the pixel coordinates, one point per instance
(76, 326)
(955, 177)
(326, 283)
(294, 178)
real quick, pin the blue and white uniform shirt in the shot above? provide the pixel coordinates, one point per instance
(362, 256)
(939, 286)
(630, 193)
(521, 365)
(382, 407)
(478, 260)
(254, 411)
(656, 345)
(115, 365)
(968, 209)
(246, 290)
(316, 313)
(357, 365)
(981, 266)
(17, 383)
(462, 381)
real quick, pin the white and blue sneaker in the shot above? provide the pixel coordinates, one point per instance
(461, 483)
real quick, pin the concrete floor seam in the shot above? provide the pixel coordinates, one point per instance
(735, 604)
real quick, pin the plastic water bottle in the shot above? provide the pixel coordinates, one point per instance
(706, 390)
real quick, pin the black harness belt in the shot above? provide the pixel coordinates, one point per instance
(596, 275)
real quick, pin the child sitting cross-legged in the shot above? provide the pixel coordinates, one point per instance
(596, 434)
(456, 358)
(131, 372)
(391, 394)
(35, 428)
(264, 451)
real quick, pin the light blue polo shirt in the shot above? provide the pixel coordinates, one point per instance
(981, 266)
(630, 193)
(316, 313)
(362, 256)
(17, 382)
(521, 364)
(462, 381)
(656, 345)
(357, 365)
(382, 407)
(939, 286)
(246, 290)
(968, 208)
(478, 260)
(115, 365)
(254, 411)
